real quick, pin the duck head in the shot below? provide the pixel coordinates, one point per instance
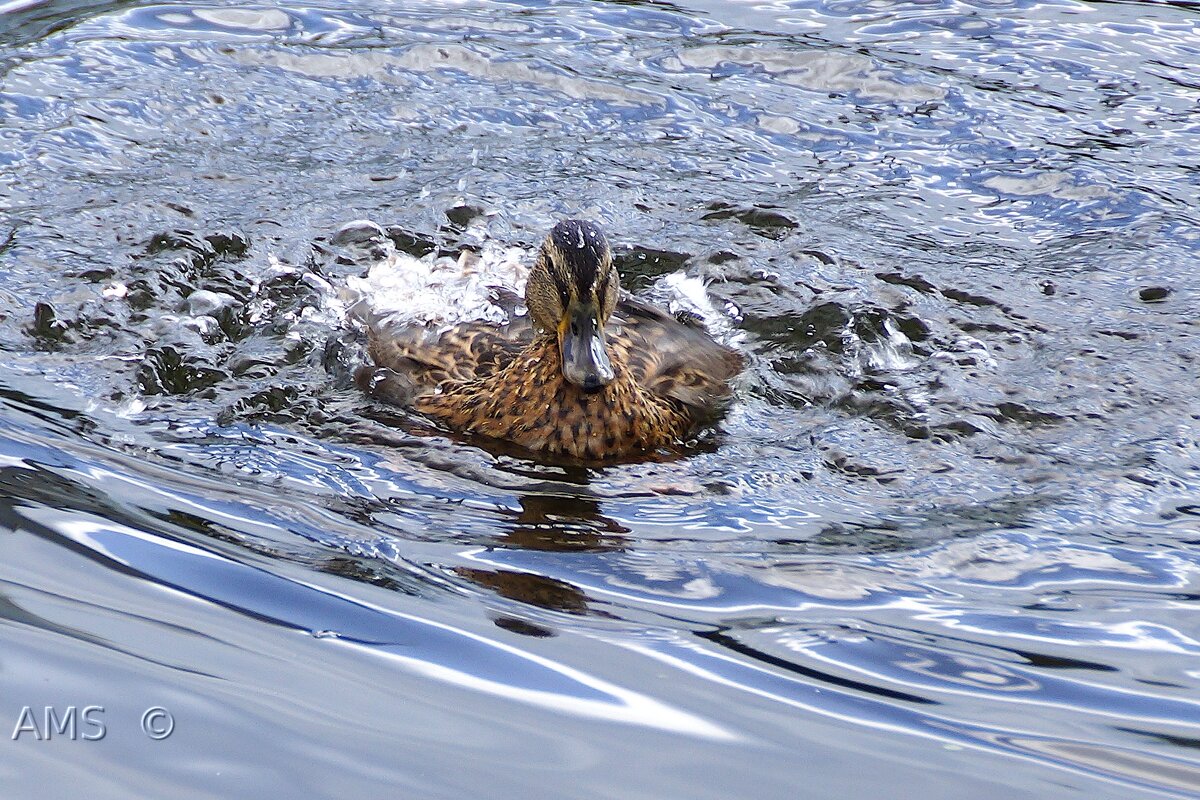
(571, 292)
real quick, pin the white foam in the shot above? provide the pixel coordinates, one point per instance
(401, 289)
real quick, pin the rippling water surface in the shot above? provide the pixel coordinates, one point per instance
(946, 543)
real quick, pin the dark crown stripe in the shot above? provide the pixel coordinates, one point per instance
(583, 246)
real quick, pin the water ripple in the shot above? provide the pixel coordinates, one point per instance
(952, 507)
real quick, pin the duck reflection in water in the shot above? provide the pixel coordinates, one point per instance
(550, 522)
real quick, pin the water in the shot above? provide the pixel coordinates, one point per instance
(946, 543)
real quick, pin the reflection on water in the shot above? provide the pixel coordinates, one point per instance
(946, 539)
(562, 524)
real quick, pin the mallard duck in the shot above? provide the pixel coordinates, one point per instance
(587, 373)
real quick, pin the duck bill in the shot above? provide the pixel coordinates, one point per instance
(581, 341)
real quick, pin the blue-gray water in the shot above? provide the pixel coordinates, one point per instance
(946, 544)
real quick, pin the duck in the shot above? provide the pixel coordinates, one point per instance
(589, 372)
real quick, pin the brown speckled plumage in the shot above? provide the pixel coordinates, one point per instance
(507, 382)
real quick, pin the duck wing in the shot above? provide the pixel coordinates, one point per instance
(676, 358)
(428, 356)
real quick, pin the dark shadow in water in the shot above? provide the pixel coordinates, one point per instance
(524, 627)
(1178, 741)
(550, 522)
(527, 587)
(363, 571)
(562, 523)
(34, 486)
(12, 612)
(1047, 661)
(726, 641)
(39, 21)
(43, 410)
